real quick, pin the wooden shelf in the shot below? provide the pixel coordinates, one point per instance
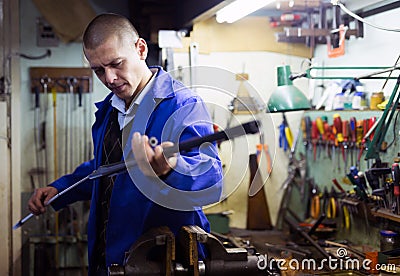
(59, 78)
(385, 213)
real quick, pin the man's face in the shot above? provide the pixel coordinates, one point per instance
(120, 66)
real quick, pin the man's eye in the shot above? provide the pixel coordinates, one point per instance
(117, 64)
(99, 71)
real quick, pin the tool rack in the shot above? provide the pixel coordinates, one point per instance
(70, 89)
(58, 77)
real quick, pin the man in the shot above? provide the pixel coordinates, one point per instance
(160, 191)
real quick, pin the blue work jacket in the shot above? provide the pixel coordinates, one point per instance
(168, 112)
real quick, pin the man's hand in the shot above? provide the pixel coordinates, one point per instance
(152, 161)
(38, 201)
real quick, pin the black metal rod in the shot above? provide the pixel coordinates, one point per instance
(119, 167)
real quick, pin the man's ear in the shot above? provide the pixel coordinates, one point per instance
(141, 47)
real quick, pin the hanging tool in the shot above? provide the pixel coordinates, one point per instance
(39, 166)
(285, 135)
(81, 138)
(329, 138)
(338, 125)
(396, 188)
(346, 217)
(314, 138)
(55, 146)
(336, 183)
(332, 204)
(45, 81)
(251, 127)
(315, 203)
(359, 141)
(264, 148)
(325, 200)
(283, 143)
(306, 128)
(368, 130)
(358, 187)
(353, 139)
(345, 144)
(87, 117)
(321, 130)
(69, 135)
(363, 145)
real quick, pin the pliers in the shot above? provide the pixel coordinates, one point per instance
(331, 210)
(285, 135)
(264, 148)
(315, 203)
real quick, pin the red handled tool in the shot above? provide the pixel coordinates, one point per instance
(321, 131)
(338, 185)
(338, 126)
(396, 187)
(345, 129)
(314, 137)
(353, 138)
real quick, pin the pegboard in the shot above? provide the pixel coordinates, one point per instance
(323, 169)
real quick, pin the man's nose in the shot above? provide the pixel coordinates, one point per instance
(111, 76)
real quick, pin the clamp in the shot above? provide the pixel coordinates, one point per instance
(158, 252)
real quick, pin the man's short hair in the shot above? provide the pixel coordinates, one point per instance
(105, 25)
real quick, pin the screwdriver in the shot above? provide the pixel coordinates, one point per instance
(359, 137)
(306, 128)
(328, 138)
(338, 185)
(345, 129)
(396, 188)
(353, 139)
(320, 126)
(337, 123)
(314, 136)
(363, 141)
(371, 122)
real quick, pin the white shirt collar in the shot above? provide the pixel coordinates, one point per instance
(126, 116)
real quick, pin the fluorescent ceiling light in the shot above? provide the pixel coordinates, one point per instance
(240, 8)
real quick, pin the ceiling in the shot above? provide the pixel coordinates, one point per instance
(149, 16)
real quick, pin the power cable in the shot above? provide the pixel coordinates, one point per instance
(359, 18)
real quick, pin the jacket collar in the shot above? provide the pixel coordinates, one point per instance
(159, 91)
(163, 85)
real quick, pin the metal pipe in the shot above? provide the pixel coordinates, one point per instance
(251, 127)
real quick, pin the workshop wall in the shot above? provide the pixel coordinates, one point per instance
(261, 68)
(248, 34)
(377, 48)
(64, 55)
(247, 46)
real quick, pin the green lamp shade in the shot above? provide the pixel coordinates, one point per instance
(287, 97)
